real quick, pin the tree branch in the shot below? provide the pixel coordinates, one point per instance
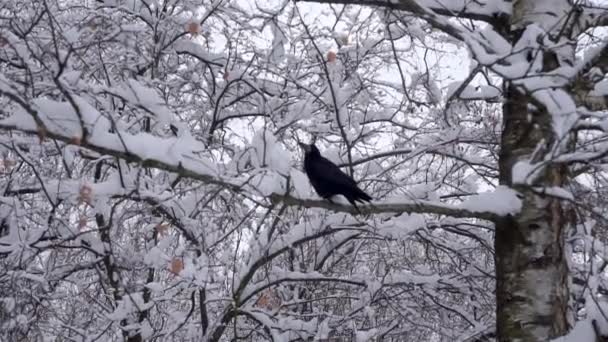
(414, 206)
(476, 10)
(583, 84)
(594, 16)
(417, 206)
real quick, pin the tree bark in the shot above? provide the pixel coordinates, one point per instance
(531, 267)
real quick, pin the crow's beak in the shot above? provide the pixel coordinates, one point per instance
(305, 147)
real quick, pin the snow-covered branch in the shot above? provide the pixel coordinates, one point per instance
(482, 206)
(488, 11)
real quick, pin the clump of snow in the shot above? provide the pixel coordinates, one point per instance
(600, 89)
(333, 154)
(407, 277)
(155, 287)
(364, 336)
(195, 49)
(146, 330)
(142, 96)
(300, 182)
(278, 43)
(556, 191)
(562, 108)
(502, 201)
(268, 152)
(268, 183)
(403, 226)
(132, 303)
(473, 93)
(323, 331)
(423, 79)
(583, 331)
(156, 258)
(524, 172)
(422, 191)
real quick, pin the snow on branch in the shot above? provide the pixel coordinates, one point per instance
(422, 10)
(481, 206)
(477, 10)
(488, 206)
(86, 127)
(58, 120)
(184, 47)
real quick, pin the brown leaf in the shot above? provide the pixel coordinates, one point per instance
(193, 28)
(162, 228)
(269, 300)
(85, 195)
(177, 265)
(82, 222)
(41, 134)
(6, 164)
(331, 56)
(76, 141)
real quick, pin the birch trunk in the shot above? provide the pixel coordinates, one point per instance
(531, 266)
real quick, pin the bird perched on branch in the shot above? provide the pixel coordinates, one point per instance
(327, 178)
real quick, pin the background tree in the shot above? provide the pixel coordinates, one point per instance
(151, 183)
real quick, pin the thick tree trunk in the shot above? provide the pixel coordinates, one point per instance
(531, 266)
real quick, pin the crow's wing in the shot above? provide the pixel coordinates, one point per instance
(330, 174)
(328, 180)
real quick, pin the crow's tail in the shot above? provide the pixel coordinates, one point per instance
(361, 196)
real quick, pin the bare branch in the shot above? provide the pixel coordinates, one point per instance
(594, 16)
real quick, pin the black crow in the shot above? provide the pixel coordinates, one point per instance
(327, 178)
